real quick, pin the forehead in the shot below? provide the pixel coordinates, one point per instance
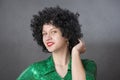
(47, 27)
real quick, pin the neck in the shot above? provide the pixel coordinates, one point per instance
(61, 57)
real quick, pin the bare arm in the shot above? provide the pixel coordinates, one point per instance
(78, 72)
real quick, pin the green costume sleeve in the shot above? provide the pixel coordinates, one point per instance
(27, 74)
(90, 68)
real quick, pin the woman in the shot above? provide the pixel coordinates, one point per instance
(58, 32)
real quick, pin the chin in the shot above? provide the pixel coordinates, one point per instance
(51, 50)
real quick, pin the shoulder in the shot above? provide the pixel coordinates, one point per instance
(34, 71)
(88, 63)
(90, 68)
(40, 65)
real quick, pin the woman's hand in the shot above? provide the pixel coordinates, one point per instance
(80, 47)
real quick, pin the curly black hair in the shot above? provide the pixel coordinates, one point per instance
(63, 19)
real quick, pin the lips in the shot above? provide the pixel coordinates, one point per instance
(50, 44)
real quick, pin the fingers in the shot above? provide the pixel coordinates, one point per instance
(82, 43)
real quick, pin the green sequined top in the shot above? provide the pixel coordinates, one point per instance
(45, 70)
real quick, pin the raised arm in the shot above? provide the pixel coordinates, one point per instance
(78, 72)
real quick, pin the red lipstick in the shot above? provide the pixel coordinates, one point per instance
(50, 44)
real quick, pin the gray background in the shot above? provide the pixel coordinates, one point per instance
(101, 28)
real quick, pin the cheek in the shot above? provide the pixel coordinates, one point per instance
(43, 40)
(60, 40)
(56, 37)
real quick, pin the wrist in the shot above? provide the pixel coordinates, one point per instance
(75, 52)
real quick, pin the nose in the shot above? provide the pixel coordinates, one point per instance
(48, 37)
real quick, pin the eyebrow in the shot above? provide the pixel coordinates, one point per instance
(50, 29)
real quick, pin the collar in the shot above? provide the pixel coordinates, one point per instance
(50, 67)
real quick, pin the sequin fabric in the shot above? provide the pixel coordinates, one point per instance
(45, 70)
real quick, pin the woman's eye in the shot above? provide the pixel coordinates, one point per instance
(54, 32)
(44, 34)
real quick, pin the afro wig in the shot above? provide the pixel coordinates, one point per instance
(63, 19)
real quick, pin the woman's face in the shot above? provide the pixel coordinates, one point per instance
(52, 38)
